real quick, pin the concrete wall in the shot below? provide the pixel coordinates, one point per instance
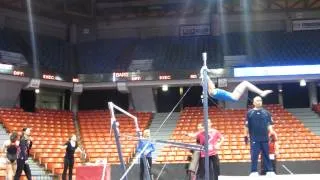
(44, 26)
(9, 93)
(143, 99)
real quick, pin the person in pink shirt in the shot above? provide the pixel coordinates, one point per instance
(215, 141)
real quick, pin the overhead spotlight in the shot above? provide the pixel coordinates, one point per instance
(114, 77)
(181, 90)
(303, 83)
(37, 91)
(58, 78)
(280, 88)
(165, 87)
(85, 30)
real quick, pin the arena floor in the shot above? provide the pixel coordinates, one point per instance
(276, 177)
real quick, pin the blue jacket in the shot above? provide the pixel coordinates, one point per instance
(149, 149)
(258, 121)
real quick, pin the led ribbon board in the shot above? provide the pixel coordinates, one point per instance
(277, 71)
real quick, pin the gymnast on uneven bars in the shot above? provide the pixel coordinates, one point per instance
(236, 94)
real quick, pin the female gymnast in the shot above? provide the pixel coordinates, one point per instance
(235, 95)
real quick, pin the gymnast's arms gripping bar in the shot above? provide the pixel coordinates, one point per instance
(204, 57)
(112, 106)
(182, 145)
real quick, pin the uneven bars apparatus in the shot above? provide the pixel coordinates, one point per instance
(114, 126)
(117, 137)
(116, 130)
(205, 112)
(181, 145)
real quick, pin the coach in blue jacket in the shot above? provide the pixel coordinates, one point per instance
(258, 125)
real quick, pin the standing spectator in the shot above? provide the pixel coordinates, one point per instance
(215, 141)
(258, 125)
(10, 148)
(23, 154)
(71, 147)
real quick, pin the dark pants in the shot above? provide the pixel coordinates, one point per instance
(191, 175)
(22, 166)
(149, 160)
(256, 148)
(68, 164)
(273, 163)
(214, 167)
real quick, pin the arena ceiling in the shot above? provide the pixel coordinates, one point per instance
(82, 10)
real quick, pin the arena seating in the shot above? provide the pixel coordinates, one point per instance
(101, 56)
(50, 129)
(100, 143)
(167, 53)
(2, 172)
(233, 44)
(172, 53)
(296, 142)
(6, 42)
(53, 128)
(275, 47)
(52, 52)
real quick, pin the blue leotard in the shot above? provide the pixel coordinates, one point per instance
(222, 95)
